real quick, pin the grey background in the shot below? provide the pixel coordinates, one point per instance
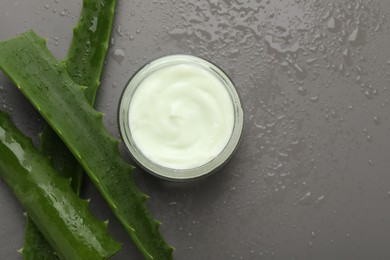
(311, 177)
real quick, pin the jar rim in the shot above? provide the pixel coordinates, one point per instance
(162, 171)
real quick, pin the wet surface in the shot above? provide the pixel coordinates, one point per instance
(311, 177)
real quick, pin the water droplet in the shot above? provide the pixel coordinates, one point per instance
(300, 72)
(371, 162)
(368, 94)
(93, 26)
(333, 25)
(356, 37)
(177, 31)
(277, 48)
(319, 202)
(347, 57)
(119, 30)
(314, 99)
(302, 91)
(341, 68)
(368, 136)
(377, 120)
(284, 65)
(32, 69)
(310, 61)
(118, 55)
(359, 69)
(306, 199)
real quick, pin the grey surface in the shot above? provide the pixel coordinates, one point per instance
(311, 178)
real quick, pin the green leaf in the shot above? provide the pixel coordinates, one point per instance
(46, 83)
(35, 244)
(61, 216)
(91, 37)
(84, 63)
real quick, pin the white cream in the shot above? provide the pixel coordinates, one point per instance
(181, 116)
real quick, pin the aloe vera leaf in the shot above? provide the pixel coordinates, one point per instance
(61, 216)
(84, 63)
(45, 82)
(91, 37)
(35, 244)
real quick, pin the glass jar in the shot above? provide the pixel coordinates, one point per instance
(151, 166)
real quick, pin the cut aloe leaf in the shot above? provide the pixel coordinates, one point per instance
(48, 86)
(61, 216)
(84, 63)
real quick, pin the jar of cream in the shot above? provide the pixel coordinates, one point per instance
(180, 117)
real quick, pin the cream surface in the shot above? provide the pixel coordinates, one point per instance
(181, 116)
